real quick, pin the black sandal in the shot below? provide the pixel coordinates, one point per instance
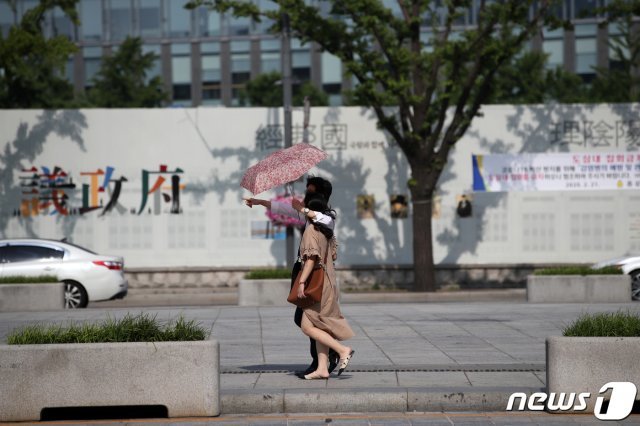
(345, 362)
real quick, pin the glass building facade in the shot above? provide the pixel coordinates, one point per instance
(206, 58)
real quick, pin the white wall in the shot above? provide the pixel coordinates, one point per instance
(214, 146)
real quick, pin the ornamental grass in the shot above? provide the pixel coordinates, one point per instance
(268, 274)
(131, 328)
(606, 324)
(578, 270)
(22, 279)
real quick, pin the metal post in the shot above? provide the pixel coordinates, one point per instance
(286, 91)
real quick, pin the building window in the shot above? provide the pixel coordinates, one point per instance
(211, 91)
(24, 6)
(584, 8)
(270, 62)
(181, 73)
(270, 56)
(208, 22)
(6, 18)
(120, 19)
(62, 25)
(68, 69)
(240, 69)
(149, 19)
(558, 10)
(617, 41)
(232, 26)
(179, 19)
(264, 26)
(91, 19)
(300, 62)
(394, 7)
(553, 46)
(92, 62)
(586, 49)
(156, 70)
(332, 78)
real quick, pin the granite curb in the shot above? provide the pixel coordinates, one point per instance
(367, 400)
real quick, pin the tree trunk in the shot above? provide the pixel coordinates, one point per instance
(423, 267)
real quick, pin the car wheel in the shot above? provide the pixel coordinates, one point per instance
(75, 296)
(635, 284)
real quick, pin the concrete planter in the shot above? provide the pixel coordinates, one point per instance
(263, 292)
(578, 288)
(182, 376)
(31, 297)
(585, 364)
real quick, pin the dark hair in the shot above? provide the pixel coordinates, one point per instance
(316, 201)
(322, 185)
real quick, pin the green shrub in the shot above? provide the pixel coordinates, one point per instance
(131, 328)
(22, 279)
(579, 270)
(268, 274)
(607, 324)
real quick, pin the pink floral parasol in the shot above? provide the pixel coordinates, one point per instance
(281, 167)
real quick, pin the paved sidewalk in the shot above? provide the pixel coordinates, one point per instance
(427, 357)
(198, 297)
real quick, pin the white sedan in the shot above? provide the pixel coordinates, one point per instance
(88, 277)
(629, 265)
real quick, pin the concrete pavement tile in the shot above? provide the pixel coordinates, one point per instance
(430, 422)
(497, 359)
(287, 381)
(471, 423)
(364, 421)
(390, 330)
(512, 418)
(432, 378)
(563, 419)
(238, 381)
(418, 359)
(542, 376)
(363, 380)
(389, 421)
(506, 378)
(469, 419)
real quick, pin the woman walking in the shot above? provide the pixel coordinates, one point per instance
(322, 321)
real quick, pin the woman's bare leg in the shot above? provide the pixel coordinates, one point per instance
(324, 338)
(323, 359)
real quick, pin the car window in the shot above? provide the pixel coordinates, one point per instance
(26, 253)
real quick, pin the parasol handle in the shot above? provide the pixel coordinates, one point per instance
(288, 188)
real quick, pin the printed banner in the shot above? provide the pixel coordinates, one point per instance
(556, 171)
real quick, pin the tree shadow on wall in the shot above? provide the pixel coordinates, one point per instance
(543, 128)
(348, 176)
(28, 143)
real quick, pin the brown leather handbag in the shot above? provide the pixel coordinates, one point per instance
(312, 287)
